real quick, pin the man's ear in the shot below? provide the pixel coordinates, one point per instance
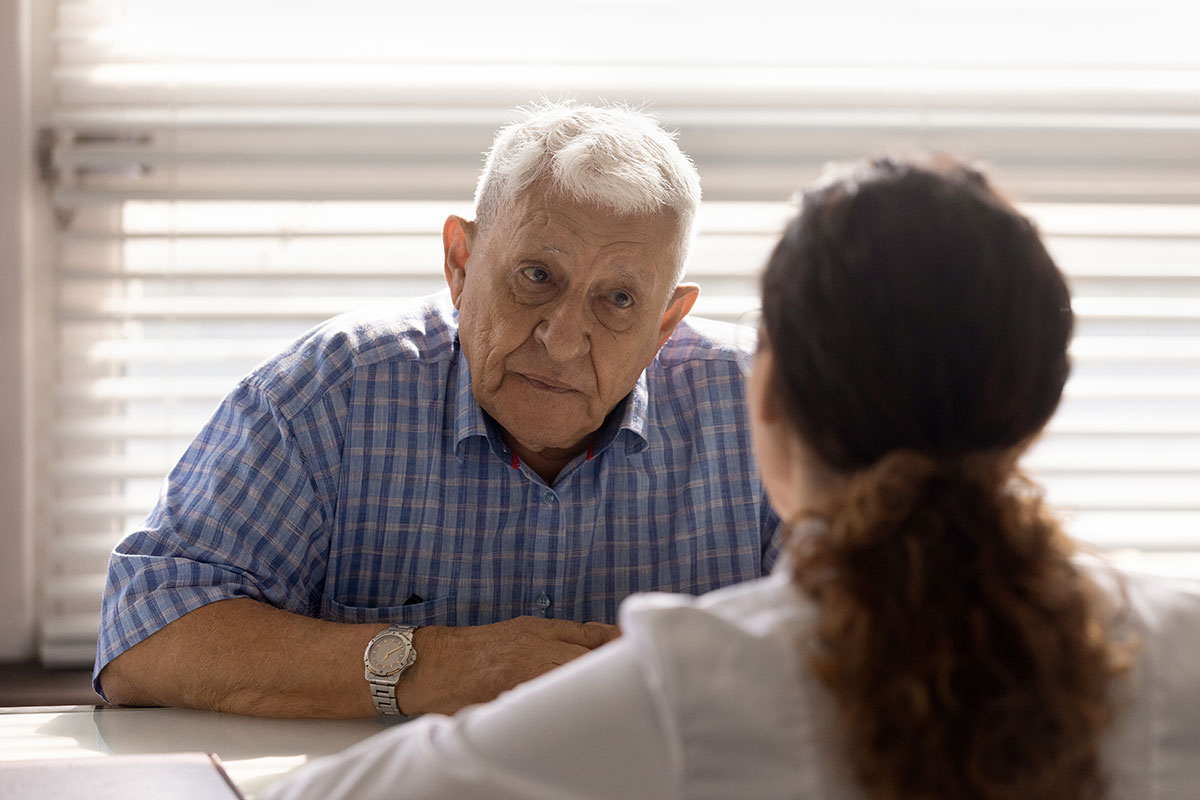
(678, 306)
(458, 237)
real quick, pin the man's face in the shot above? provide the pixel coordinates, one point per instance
(561, 307)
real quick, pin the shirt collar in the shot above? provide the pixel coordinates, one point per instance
(633, 416)
(470, 421)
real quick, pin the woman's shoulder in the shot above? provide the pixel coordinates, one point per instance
(759, 607)
(1147, 602)
(1155, 618)
(730, 679)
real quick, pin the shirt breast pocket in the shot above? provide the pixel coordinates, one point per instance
(439, 611)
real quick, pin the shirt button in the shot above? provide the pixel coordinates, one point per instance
(543, 602)
(548, 496)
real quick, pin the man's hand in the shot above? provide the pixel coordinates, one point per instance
(457, 667)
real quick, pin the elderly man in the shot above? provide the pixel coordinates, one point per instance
(463, 489)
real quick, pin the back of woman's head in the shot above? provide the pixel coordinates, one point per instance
(916, 310)
(920, 331)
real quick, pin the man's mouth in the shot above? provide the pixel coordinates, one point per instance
(546, 384)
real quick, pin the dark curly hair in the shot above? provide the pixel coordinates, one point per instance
(920, 332)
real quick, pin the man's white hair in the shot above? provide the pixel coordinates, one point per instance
(610, 156)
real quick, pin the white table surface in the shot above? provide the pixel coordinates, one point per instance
(253, 751)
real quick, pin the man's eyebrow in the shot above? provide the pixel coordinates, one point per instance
(631, 277)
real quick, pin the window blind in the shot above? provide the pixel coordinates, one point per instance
(227, 174)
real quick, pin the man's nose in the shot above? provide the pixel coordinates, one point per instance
(565, 331)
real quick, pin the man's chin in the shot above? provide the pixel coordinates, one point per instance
(533, 436)
(552, 448)
(540, 424)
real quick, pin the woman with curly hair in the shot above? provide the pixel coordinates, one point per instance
(932, 633)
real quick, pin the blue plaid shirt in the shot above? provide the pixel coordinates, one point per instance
(354, 478)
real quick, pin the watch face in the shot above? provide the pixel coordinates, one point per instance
(388, 654)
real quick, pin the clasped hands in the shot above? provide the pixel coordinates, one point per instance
(460, 666)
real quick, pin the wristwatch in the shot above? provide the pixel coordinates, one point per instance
(388, 655)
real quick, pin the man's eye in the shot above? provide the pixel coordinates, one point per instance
(621, 299)
(536, 274)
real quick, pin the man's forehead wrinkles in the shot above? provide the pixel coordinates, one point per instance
(558, 222)
(573, 244)
(616, 249)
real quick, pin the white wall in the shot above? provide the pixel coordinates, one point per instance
(17, 221)
(16, 600)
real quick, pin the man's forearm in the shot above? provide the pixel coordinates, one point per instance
(247, 657)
